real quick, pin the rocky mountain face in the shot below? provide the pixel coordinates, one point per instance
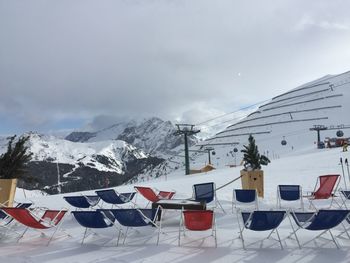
(64, 166)
(154, 136)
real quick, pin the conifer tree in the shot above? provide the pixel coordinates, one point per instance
(252, 159)
(13, 163)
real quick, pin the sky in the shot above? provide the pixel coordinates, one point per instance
(69, 63)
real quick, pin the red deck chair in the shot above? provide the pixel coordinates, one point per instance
(50, 219)
(151, 196)
(327, 185)
(198, 220)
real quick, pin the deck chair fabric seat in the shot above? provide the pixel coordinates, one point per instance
(93, 219)
(110, 196)
(289, 193)
(198, 220)
(152, 196)
(322, 220)
(6, 219)
(133, 217)
(98, 219)
(245, 197)
(261, 220)
(49, 219)
(82, 201)
(206, 192)
(327, 185)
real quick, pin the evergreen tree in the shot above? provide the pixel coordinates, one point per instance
(13, 163)
(252, 159)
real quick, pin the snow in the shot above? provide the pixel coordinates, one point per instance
(300, 167)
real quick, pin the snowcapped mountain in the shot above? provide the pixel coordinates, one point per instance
(152, 135)
(108, 156)
(77, 166)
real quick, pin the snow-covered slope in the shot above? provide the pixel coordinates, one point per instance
(289, 117)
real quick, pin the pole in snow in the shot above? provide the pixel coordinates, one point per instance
(186, 130)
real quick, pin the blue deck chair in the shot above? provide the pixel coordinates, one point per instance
(323, 220)
(110, 196)
(262, 221)
(82, 201)
(206, 192)
(244, 196)
(289, 193)
(93, 220)
(132, 217)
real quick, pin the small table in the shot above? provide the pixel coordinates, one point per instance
(179, 204)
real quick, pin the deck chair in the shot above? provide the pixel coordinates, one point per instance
(93, 220)
(206, 192)
(323, 220)
(110, 196)
(325, 188)
(131, 218)
(289, 193)
(245, 197)
(153, 197)
(49, 219)
(82, 201)
(197, 220)
(261, 221)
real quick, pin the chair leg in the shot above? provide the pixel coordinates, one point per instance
(126, 233)
(84, 235)
(22, 235)
(279, 239)
(335, 242)
(294, 232)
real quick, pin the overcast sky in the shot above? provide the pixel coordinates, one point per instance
(64, 63)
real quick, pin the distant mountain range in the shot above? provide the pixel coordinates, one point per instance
(103, 158)
(154, 136)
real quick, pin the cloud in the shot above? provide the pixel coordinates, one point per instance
(75, 60)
